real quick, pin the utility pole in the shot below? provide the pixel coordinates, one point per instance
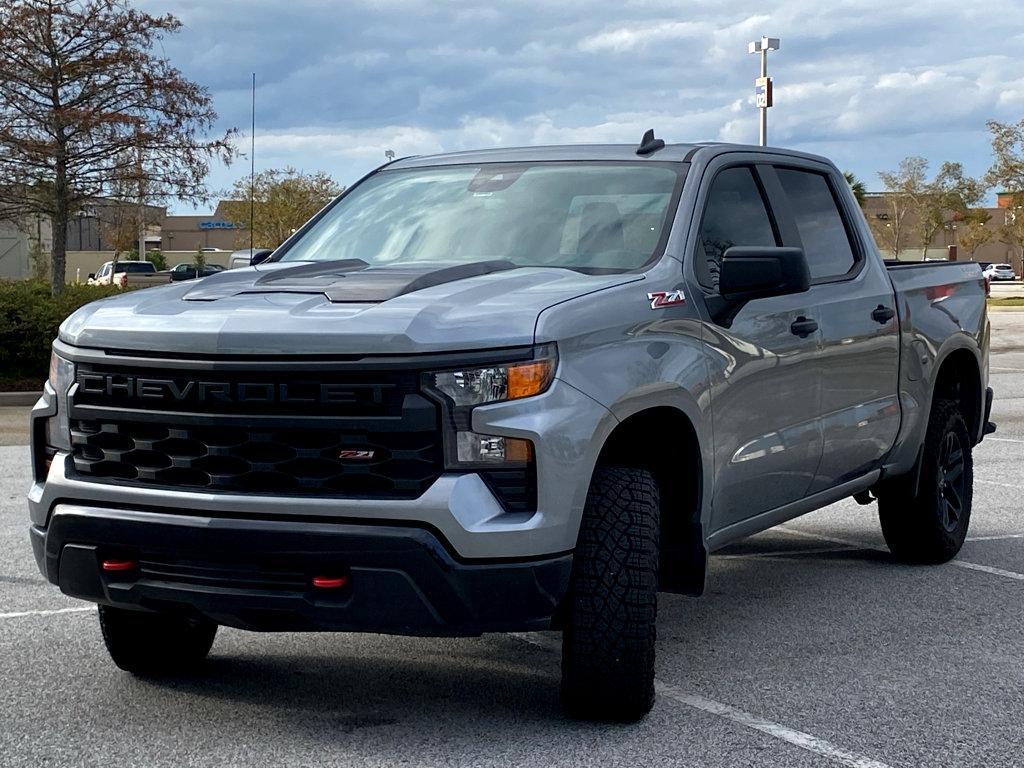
(763, 85)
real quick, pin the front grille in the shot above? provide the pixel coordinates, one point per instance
(249, 459)
(295, 430)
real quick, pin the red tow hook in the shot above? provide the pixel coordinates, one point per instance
(330, 583)
(112, 566)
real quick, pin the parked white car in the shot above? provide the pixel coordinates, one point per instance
(999, 272)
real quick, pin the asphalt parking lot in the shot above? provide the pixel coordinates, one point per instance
(810, 648)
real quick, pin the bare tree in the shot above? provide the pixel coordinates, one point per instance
(976, 233)
(902, 189)
(283, 200)
(85, 104)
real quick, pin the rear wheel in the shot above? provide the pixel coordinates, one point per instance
(150, 643)
(931, 525)
(609, 637)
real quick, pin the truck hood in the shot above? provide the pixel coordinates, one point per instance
(335, 307)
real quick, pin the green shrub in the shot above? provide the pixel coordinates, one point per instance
(29, 318)
(157, 258)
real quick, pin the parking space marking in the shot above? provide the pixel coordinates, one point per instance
(989, 570)
(994, 537)
(1004, 440)
(864, 546)
(46, 612)
(795, 737)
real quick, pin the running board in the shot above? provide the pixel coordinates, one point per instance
(766, 520)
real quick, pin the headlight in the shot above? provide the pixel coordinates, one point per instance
(462, 389)
(475, 386)
(58, 428)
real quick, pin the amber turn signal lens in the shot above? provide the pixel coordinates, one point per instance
(518, 450)
(528, 379)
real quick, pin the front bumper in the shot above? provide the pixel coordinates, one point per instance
(256, 574)
(468, 517)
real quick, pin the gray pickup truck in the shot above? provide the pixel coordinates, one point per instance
(506, 390)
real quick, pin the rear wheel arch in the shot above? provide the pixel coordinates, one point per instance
(958, 378)
(664, 441)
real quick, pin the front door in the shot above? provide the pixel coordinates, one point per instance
(763, 364)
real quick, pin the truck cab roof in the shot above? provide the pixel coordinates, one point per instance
(588, 152)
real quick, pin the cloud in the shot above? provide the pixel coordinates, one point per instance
(865, 81)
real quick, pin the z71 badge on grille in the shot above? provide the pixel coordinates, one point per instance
(356, 454)
(661, 299)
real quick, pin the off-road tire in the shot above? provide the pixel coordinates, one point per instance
(609, 635)
(153, 644)
(930, 527)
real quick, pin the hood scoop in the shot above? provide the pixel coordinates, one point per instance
(347, 280)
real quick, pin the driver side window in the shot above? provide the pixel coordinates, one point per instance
(735, 215)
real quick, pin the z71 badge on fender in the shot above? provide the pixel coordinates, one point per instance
(661, 299)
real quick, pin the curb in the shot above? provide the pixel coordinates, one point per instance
(1007, 308)
(19, 399)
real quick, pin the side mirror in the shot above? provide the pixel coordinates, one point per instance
(755, 272)
(259, 256)
(92, 276)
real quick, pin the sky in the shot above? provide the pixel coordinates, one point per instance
(865, 83)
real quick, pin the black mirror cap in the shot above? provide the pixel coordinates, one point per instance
(754, 272)
(260, 255)
(92, 276)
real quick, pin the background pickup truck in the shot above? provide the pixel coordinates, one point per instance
(129, 272)
(516, 389)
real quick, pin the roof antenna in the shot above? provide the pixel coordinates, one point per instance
(649, 144)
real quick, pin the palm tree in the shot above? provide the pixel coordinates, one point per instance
(860, 192)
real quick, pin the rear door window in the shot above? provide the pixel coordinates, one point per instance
(816, 214)
(735, 215)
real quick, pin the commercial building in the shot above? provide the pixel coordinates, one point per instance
(878, 213)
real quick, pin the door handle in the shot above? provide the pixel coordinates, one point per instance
(803, 327)
(883, 314)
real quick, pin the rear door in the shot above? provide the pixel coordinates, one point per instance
(763, 367)
(856, 313)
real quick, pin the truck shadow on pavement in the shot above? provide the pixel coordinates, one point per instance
(351, 682)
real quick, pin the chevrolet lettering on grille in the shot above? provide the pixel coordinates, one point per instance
(126, 386)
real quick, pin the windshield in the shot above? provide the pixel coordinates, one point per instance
(588, 216)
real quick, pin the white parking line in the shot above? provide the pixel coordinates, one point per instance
(45, 612)
(1004, 440)
(794, 737)
(994, 537)
(800, 739)
(864, 546)
(989, 570)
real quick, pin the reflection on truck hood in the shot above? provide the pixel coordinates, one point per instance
(393, 310)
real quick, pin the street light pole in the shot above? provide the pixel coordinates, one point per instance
(763, 84)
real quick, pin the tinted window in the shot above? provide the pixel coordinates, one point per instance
(826, 244)
(735, 215)
(136, 267)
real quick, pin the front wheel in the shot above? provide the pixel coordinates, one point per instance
(930, 527)
(609, 637)
(153, 644)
